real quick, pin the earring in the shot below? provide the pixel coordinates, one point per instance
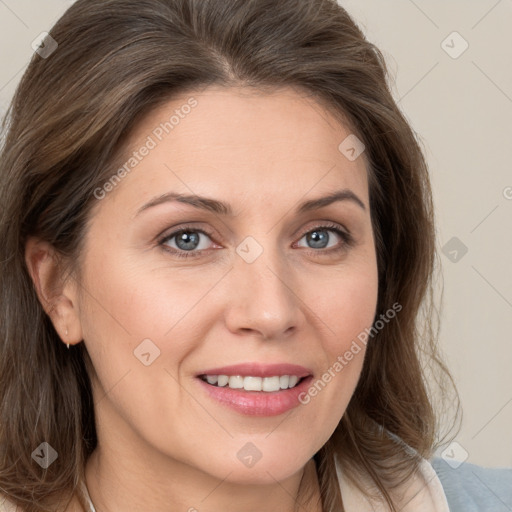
(67, 344)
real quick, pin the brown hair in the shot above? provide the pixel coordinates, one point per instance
(118, 59)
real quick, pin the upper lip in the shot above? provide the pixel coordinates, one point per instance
(259, 370)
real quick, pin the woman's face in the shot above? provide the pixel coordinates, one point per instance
(260, 283)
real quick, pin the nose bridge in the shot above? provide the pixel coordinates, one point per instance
(263, 299)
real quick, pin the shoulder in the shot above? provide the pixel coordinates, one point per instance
(472, 488)
(8, 506)
(422, 492)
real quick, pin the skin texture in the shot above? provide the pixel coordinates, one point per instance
(163, 443)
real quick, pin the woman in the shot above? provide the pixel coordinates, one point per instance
(218, 233)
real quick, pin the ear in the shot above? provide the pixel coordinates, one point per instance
(59, 298)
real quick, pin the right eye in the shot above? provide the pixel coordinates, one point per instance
(187, 241)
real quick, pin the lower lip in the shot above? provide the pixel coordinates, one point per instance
(258, 403)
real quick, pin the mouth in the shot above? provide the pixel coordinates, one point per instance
(253, 383)
(255, 389)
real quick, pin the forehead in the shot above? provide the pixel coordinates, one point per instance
(229, 142)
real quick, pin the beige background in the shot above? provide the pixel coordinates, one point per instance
(461, 109)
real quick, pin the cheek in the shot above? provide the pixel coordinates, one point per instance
(346, 311)
(345, 306)
(132, 303)
(139, 328)
(137, 331)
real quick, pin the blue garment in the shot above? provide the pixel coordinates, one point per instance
(472, 488)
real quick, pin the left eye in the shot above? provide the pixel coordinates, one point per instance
(319, 237)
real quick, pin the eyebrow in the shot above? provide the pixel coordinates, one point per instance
(220, 208)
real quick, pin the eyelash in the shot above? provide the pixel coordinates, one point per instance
(347, 240)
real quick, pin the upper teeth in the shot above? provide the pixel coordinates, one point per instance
(254, 383)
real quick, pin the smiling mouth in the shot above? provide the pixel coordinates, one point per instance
(250, 383)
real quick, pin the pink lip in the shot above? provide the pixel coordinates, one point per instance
(259, 370)
(257, 403)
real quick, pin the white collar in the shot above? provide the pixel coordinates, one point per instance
(87, 497)
(422, 493)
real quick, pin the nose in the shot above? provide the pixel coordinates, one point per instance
(264, 298)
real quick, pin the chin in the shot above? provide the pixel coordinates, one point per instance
(264, 471)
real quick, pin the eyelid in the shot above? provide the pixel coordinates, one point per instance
(323, 224)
